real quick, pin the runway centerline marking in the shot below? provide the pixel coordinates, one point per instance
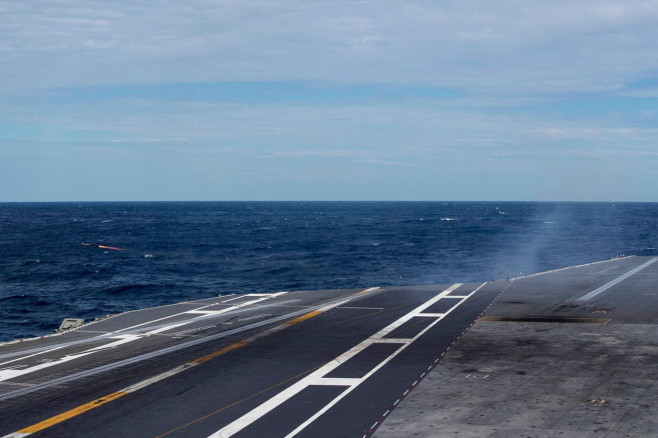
(595, 292)
(319, 377)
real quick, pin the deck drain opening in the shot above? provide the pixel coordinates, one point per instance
(545, 319)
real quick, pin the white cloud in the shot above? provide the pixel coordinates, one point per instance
(477, 45)
(517, 68)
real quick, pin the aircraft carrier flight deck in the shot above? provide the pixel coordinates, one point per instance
(565, 353)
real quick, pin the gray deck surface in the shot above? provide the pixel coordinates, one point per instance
(565, 353)
(572, 377)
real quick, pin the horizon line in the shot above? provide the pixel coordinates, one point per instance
(329, 200)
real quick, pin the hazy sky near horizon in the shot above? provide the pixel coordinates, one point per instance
(329, 100)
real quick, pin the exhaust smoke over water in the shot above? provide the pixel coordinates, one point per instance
(87, 260)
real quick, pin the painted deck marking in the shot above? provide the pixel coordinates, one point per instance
(434, 364)
(218, 353)
(72, 413)
(124, 338)
(595, 292)
(7, 374)
(304, 317)
(144, 383)
(318, 377)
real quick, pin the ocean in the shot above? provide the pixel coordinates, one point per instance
(175, 251)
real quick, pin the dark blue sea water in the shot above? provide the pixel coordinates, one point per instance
(178, 251)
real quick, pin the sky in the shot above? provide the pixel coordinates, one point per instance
(471, 100)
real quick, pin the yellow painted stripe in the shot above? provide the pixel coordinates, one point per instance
(304, 317)
(220, 352)
(108, 398)
(72, 413)
(362, 292)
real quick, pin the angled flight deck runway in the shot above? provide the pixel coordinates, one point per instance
(307, 364)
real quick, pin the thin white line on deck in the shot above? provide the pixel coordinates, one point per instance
(318, 376)
(595, 292)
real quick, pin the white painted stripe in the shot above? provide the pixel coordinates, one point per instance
(167, 350)
(394, 341)
(431, 315)
(206, 314)
(204, 307)
(46, 349)
(343, 394)
(210, 312)
(111, 335)
(156, 320)
(337, 381)
(31, 355)
(165, 328)
(617, 280)
(125, 338)
(12, 373)
(267, 295)
(384, 362)
(194, 330)
(318, 375)
(146, 382)
(231, 299)
(569, 268)
(348, 299)
(331, 306)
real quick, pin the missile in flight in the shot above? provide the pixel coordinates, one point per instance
(94, 245)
